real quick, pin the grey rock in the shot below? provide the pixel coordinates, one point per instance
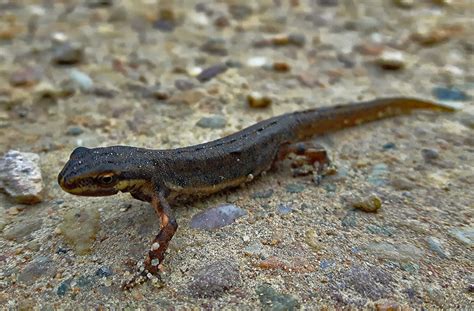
(465, 235)
(216, 217)
(437, 247)
(68, 53)
(40, 267)
(429, 154)
(215, 279)
(81, 79)
(20, 176)
(211, 72)
(22, 230)
(272, 300)
(399, 252)
(213, 122)
(74, 131)
(372, 282)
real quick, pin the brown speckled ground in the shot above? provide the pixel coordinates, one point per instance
(337, 256)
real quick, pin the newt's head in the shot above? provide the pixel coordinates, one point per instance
(98, 171)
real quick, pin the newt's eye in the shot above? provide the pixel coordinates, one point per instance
(106, 179)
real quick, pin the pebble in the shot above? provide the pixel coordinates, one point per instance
(216, 217)
(295, 188)
(166, 21)
(74, 131)
(41, 266)
(450, 94)
(389, 146)
(395, 252)
(212, 122)
(79, 228)
(257, 100)
(281, 67)
(211, 72)
(216, 278)
(81, 79)
(104, 272)
(20, 176)
(68, 53)
(21, 231)
(370, 204)
(283, 209)
(378, 175)
(215, 47)
(328, 3)
(257, 61)
(465, 235)
(183, 84)
(429, 154)
(437, 247)
(265, 194)
(311, 239)
(25, 77)
(402, 183)
(392, 60)
(272, 300)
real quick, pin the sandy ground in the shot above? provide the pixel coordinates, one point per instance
(98, 73)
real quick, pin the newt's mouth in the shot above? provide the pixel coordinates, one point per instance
(83, 188)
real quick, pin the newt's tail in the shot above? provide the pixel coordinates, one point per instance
(324, 120)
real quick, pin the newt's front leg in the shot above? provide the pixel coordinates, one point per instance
(156, 254)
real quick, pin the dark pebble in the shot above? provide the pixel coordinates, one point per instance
(215, 279)
(74, 131)
(240, 11)
(68, 53)
(328, 2)
(209, 73)
(443, 93)
(103, 272)
(297, 39)
(64, 287)
(389, 146)
(215, 47)
(275, 301)
(184, 85)
(429, 154)
(265, 194)
(99, 3)
(216, 217)
(166, 21)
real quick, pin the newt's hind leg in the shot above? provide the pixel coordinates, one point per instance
(156, 254)
(312, 158)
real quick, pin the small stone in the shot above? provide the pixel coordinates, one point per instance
(372, 282)
(284, 209)
(99, 3)
(429, 154)
(429, 35)
(389, 146)
(214, 279)
(398, 252)
(211, 72)
(265, 194)
(295, 188)
(21, 231)
(378, 175)
(74, 131)
(370, 204)
(166, 21)
(257, 100)
(183, 85)
(257, 61)
(79, 228)
(465, 235)
(40, 267)
(215, 47)
(450, 94)
(64, 287)
(68, 53)
(405, 4)
(387, 305)
(25, 77)
(20, 176)
(437, 247)
(240, 11)
(297, 39)
(270, 299)
(392, 60)
(328, 3)
(81, 79)
(213, 122)
(311, 238)
(104, 272)
(216, 217)
(281, 67)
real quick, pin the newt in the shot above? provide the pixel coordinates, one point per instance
(161, 176)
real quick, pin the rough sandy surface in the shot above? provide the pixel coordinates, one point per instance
(300, 245)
